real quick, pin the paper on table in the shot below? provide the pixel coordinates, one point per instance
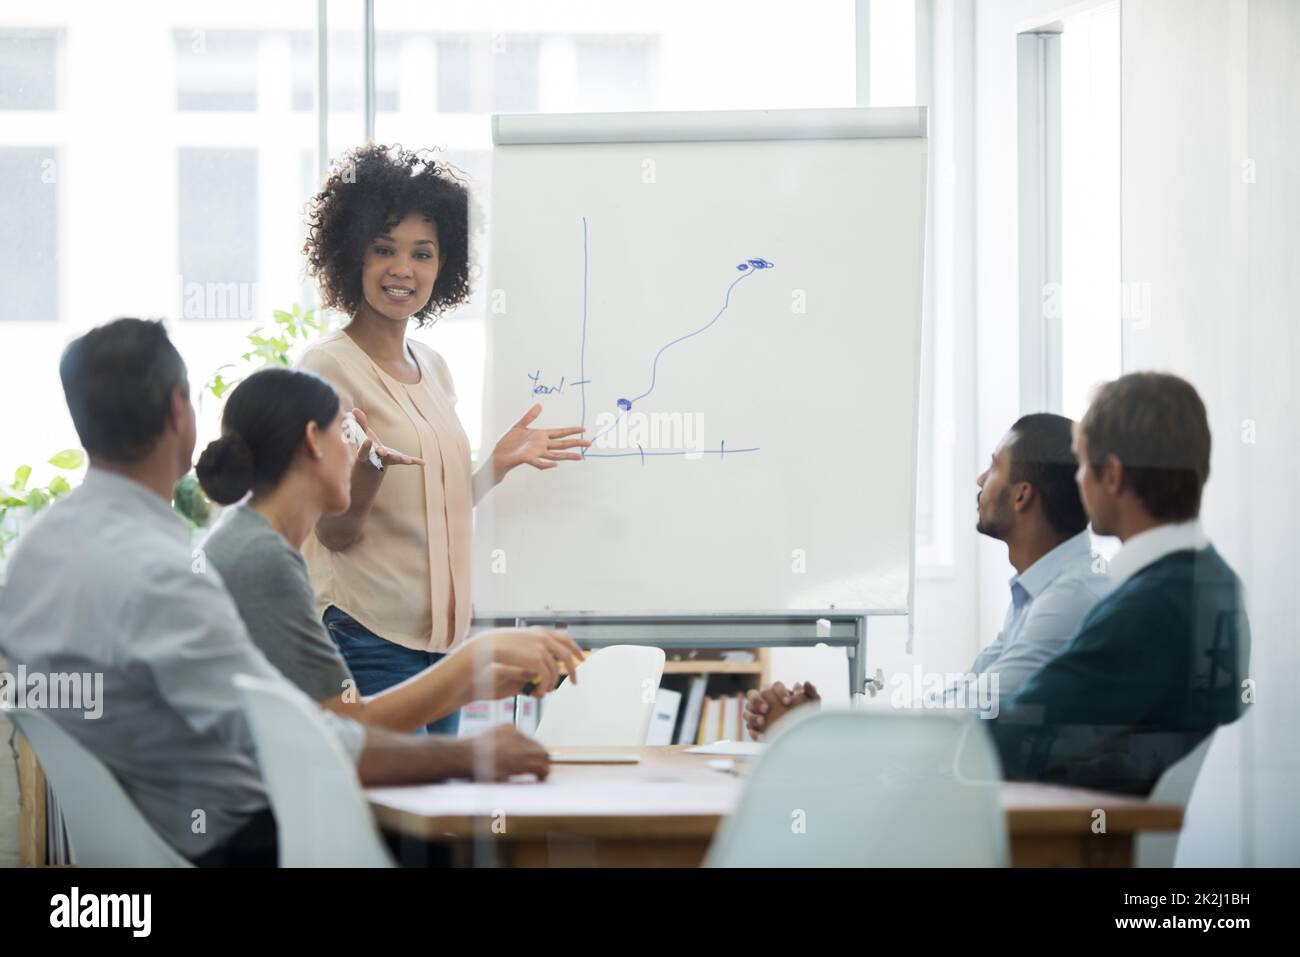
(580, 757)
(739, 749)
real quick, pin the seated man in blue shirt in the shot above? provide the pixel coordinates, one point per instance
(1028, 499)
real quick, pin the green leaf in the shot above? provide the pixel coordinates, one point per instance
(68, 459)
(21, 476)
(59, 486)
(37, 500)
(11, 502)
(284, 317)
(188, 499)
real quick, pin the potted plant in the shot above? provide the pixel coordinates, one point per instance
(274, 347)
(269, 346)
(21, 502)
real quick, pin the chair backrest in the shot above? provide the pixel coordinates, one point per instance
(321, 815)
(870, 789)
(104, 826)
(612, 703)
(1157, 849)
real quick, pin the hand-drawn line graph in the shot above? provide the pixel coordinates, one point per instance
(746, 269)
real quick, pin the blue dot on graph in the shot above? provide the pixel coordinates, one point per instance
(625, 404)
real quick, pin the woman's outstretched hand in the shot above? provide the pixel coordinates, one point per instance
(540, 448)
(386, 455)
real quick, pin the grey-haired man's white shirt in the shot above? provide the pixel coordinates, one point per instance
(107, 582)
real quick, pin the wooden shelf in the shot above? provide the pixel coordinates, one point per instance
(759, 668)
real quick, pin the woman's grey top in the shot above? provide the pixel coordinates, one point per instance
(268, 579)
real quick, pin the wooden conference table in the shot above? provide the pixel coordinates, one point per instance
(663, 813)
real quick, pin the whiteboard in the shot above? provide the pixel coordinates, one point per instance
(731, 304)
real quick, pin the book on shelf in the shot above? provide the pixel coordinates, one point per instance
(730, 724)
(664, 717)
(690, 726)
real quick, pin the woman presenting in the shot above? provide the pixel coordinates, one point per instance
(388, 243)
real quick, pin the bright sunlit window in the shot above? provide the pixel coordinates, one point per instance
(158, 165)
(1090, 228)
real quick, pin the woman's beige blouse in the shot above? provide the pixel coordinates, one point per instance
(407, 578)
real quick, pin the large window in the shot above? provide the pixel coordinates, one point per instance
(29, 69)
(1092, 303)
(29, 173)
(29, 275)
(159, 163)
(151, 164)
(216, 69)
(1070, 296)
(216, 200)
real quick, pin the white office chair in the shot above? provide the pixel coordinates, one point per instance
(1156, 849)
(870, 789)
(321, 815)
(612, 703)
(105, 827)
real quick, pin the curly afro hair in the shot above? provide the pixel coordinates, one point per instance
(372, 188)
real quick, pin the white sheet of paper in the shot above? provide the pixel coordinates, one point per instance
(738, 749)
(565, 757)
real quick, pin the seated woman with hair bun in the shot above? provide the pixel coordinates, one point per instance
(283, 440)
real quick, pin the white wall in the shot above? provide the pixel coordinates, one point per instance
(1209, 86)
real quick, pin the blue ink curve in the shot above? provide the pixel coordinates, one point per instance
(746, 268)
(625, 405)
(726, 301)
